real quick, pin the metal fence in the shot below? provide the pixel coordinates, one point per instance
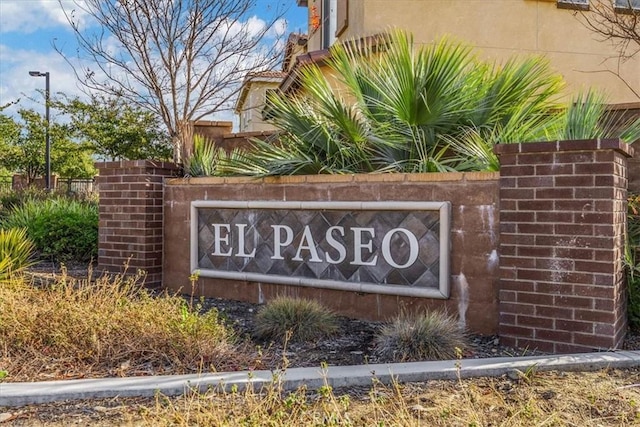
(76, 186)
(69, 186)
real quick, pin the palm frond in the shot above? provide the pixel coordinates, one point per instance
(16, 252)
(204, 158)
(388, 105)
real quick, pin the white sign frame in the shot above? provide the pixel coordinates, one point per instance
(444, 209)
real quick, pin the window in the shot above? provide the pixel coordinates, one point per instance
(244, 120)
(627, 4)
(267, 109)
(574, 4)
(328, 22)
(342, 16)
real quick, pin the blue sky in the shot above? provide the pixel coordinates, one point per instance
(28, 29)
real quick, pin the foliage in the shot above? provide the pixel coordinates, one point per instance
(207, 160)
(112, 325)
(23, 148)
(397, 105)
(72, 159)
(10, 200)
(182, 60)
(9, 133)
(296, 319)
(204, 158)
(429, 335)
(16, 252)
(402, 108)
(587, 118)
(632, 260)
(61, 229)
(115, 129)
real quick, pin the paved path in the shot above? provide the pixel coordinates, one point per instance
(17, 394)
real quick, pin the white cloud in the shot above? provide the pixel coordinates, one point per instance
(17, 84)
(28, 16)
(279, 28)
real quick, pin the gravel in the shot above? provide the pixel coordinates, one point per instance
(353, 345)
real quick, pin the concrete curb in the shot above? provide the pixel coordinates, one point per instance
(18, 394)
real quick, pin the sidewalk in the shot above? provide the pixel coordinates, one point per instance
(18, 394)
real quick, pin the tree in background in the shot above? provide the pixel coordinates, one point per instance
(115, 129)
(23, 148)
(9, 132)
(181, 59)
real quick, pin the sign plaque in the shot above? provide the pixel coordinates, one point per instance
(398, 248)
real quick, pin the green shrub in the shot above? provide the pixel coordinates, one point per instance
(296, 318)
(11, 200)
(420, 336)
(16, 251)
(413, 107)
(632, 260)
(61, 229)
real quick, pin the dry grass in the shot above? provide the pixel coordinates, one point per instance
(113, 326)
(605, 398)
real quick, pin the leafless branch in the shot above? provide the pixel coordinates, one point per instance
(182, 59)
(618, 24)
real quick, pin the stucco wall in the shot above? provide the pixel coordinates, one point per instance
(500, 29)
(251, 113)
(474, 238)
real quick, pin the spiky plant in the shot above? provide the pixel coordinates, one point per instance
(429, 335)
(297, 319)
(398, 107)
(587, 118)
(16, 252)
(204, 158)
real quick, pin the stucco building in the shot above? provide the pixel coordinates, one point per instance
(251, 101)
(499, 29)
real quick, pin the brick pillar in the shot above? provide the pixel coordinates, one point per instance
(131, 219)
(562, 230)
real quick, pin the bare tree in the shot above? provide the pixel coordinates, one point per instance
(618, 21)
(182, 59)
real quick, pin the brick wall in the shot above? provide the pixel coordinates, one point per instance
(562, 226)
(131, 229)
(474, 238)
(559, 234)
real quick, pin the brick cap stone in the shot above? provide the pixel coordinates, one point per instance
(615, 144)
(329, 178)
(119, 164)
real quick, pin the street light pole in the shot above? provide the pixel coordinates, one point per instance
(47, 155)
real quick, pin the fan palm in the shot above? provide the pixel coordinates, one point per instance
(398, 107)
